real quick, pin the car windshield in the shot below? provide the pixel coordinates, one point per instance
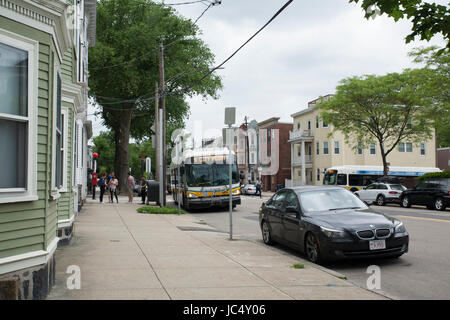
(326, 200)
(398, 187)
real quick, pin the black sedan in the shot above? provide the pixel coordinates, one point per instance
(330, 223)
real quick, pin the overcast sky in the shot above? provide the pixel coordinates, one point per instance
(300, 56)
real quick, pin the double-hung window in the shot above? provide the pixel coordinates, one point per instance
(372, 148)
(325, 147)
(359, 149)
(422, 149)
(17, 119)
(337, 149)
(59, 135)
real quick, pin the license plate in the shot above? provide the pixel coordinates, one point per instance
(377, 244)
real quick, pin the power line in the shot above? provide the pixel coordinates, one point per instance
(235, 52)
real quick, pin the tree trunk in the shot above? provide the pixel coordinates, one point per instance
(122, 152)
(383, 157)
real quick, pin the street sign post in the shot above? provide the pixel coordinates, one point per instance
(230, 119)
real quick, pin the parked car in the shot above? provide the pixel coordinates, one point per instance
(330, 223)
(249, 188)
(381, 193)
(433, 193)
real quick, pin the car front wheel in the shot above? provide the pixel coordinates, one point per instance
(405, 202)
(312, 249)
(439, 204)
(267, 237)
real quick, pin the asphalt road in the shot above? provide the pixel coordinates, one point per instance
(422, 273)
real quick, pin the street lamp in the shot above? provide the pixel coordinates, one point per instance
(230, 119)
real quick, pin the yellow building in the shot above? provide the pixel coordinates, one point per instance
(312, 151)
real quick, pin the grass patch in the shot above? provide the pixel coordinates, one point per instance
(298, 266)
(159, 210)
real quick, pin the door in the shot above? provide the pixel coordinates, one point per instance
(276, 209)
(368, 193)
(291, 220)
(417, 194)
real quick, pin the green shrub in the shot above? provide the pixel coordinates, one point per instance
(160, 210)
(435, 175)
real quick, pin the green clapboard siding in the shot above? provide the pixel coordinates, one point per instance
(28, 226)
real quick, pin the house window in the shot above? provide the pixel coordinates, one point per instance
(59, 136)
(359, 148)
(372, 148)
(405, 147)
(299, 151)
(318, 175)
(14, 120)
(422, 149)
(317, 122)
(325, 147)
(17, 119)
(336, 147)
(409, 147)
(317, 148)
(324, 124)
(298, 126)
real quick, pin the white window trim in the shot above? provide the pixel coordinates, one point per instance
(370, 153)
(334, 148)
(8, 195)
(323, 148)
(65, 112)
(55, 192)
(362, 150)
(424, 149)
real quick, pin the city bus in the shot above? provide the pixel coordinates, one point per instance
(354, 178)
(204, 179)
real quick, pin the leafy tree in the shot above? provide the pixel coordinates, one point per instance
(436, 88)
(428, 19)
(104, 146)
(385, 109)
(123, 68)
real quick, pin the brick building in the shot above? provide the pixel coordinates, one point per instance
(270, 182)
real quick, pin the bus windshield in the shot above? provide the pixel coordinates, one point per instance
(329, 178)
(208, 175)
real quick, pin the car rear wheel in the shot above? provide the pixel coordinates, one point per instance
(267, 237)
(381, 200)
(405, 202)
(312, 249)
(439, 204)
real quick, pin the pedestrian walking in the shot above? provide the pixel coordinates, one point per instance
(102, 185)
(94, 184)
(108, 180)
(143, 189)
(113, 188)
(258, 187)
(130, 186)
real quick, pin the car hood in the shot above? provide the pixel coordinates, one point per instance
(353, 219)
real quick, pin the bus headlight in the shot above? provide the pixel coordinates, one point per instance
(236, 192)
(192, 195)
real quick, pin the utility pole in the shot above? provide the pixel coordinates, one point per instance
(157, 136)
(247, 152)
(162, 110)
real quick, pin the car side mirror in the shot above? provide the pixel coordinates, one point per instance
(292, 209)
(368, 202)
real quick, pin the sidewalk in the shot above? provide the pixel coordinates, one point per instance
(123, 254)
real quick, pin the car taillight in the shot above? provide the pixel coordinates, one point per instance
(392, 192)
(449, 192)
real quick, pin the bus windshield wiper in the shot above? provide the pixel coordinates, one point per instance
(344, 208)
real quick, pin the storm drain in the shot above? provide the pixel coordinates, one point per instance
(198, 229)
